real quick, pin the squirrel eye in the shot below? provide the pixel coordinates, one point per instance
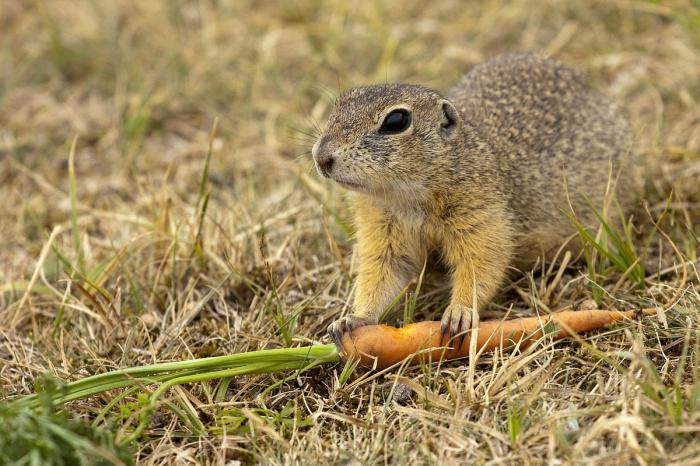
(395, 122)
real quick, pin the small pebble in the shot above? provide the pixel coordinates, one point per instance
(402, 393)
(588, 305)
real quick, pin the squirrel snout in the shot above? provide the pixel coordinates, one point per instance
(323, 157)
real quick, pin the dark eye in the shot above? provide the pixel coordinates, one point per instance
(395, 122)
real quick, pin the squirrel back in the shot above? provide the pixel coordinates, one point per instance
(560, 144)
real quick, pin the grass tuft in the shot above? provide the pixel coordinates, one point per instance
(48, 435)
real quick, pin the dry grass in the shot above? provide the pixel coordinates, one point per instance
(137, 261)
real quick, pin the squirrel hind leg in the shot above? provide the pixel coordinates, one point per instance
(550, 247)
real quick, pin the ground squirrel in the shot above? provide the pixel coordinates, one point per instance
(482, 175)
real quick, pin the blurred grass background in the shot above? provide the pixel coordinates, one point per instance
(141, 248)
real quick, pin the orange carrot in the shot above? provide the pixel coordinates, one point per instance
(388, 345)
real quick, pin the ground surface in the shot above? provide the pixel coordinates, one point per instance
(141, 84)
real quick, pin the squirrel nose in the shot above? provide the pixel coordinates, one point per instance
(323, 157)
(325, 164)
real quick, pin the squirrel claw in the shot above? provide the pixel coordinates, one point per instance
(457, 320)
(346, 325)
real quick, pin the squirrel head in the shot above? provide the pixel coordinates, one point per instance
(386, 138)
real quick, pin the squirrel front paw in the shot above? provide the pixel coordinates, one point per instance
(347, 324)
(456, 320)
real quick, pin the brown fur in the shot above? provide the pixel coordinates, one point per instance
(528, 140)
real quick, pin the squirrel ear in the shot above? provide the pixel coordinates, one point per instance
(450, 120)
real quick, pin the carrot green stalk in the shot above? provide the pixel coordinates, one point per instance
(381, 346)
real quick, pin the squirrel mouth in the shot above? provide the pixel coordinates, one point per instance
(348, 184)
